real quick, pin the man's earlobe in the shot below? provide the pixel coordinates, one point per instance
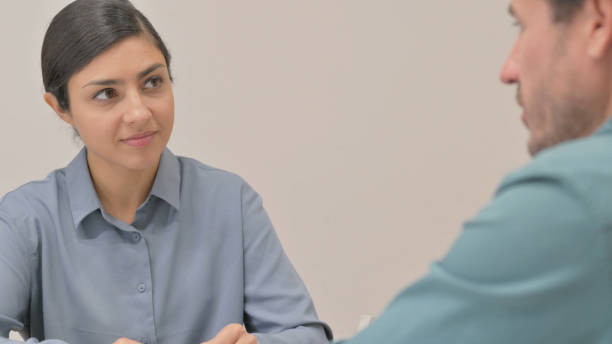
(600, 13)
(53, 103)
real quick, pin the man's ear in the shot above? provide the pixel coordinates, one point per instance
(599, 18)
(52, 101)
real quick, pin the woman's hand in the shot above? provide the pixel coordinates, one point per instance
(233, 334)
(126, 341)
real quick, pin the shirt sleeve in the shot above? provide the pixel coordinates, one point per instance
(16, 259)
(278, 308)
(532, 267)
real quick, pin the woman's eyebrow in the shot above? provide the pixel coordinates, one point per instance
(108, 82)
(149, 70)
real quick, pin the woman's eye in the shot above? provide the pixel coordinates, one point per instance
(105, 94)
(153, 82)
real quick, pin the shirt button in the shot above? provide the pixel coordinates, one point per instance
(136, 237)
(142, 287)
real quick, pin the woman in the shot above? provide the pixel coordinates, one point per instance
(129, 243)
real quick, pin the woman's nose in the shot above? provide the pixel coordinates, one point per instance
(136, 109)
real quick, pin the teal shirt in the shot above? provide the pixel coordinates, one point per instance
(534, 266)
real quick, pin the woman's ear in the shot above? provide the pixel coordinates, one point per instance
(53, 103)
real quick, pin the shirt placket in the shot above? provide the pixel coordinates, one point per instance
(141, 278)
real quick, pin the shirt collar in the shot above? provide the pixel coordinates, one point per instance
(167, 183)
(83, 197)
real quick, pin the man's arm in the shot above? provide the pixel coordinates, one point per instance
(532, 267)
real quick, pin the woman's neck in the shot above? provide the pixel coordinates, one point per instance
(120, 190)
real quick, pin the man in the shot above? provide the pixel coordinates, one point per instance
(535, 266)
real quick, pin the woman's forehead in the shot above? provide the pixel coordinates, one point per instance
(126, 59)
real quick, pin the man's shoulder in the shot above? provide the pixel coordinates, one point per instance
(573, 160)
(581, 168)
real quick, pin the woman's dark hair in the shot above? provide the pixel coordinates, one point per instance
(83, 30)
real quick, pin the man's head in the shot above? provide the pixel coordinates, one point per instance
(562, 64)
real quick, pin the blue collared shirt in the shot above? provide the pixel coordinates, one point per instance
(534, 266)
(201, 253)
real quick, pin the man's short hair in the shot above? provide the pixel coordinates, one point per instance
(563, 10)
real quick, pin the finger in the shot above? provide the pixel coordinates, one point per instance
(228, 335)
(247, 339)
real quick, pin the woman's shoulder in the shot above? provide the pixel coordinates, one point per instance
(35, 197)
(195, 171)
(205, 184)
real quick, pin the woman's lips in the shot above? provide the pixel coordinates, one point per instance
(141, 140)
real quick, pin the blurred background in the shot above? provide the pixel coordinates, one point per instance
(372, 129)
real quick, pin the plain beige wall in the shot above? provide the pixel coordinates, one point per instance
(372, 129)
